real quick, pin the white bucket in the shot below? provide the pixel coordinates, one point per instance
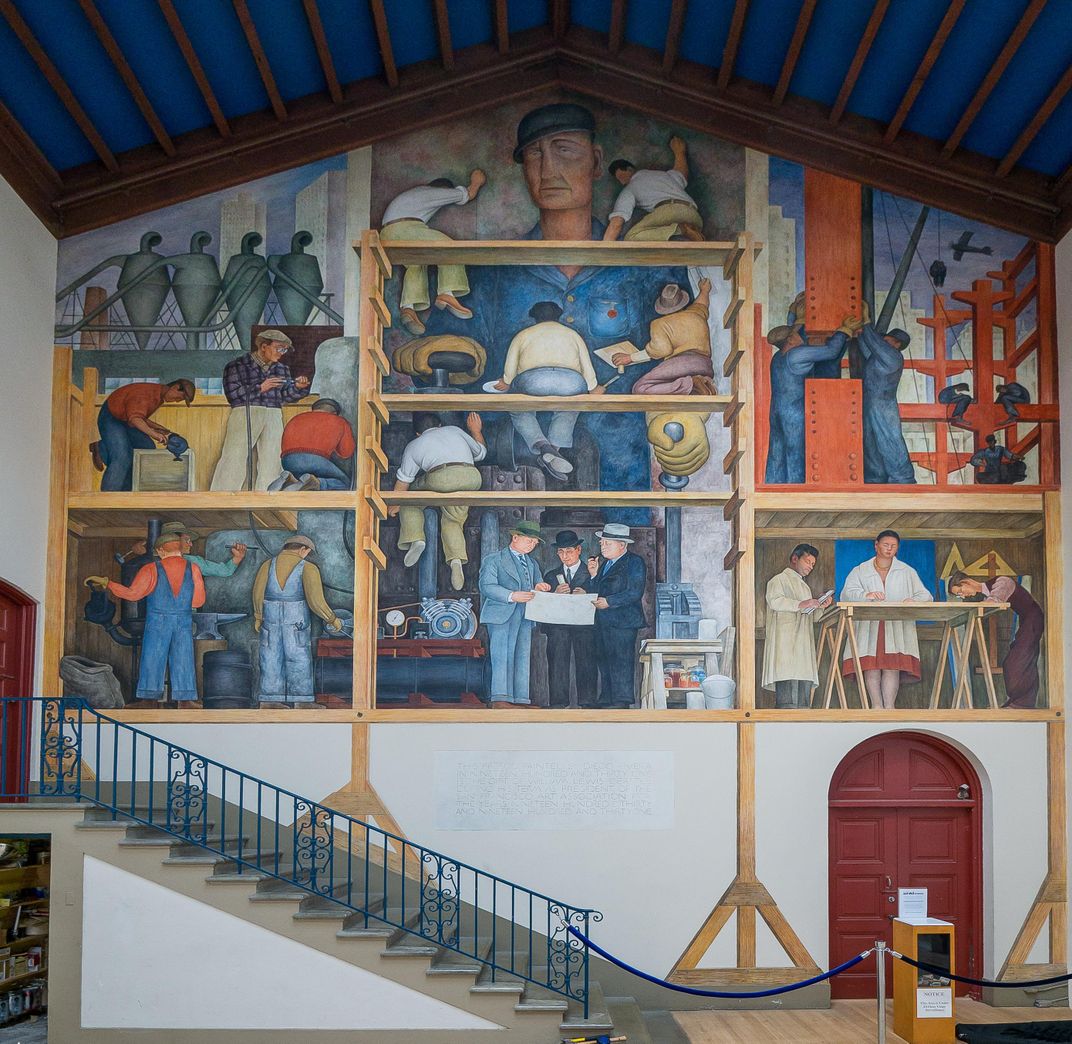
(718, 692)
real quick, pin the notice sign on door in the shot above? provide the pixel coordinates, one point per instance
(912, 904)
(934, 1003)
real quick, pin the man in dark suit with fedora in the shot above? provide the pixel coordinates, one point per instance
(619, 582)
(570, 576)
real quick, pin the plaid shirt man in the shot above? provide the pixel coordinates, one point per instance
(242, 379)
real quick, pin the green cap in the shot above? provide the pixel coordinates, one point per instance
(526, 528)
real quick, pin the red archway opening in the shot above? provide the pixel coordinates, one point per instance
(18, 619)
(901, 818)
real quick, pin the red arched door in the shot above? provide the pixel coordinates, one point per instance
(18, 612)
(896, 821)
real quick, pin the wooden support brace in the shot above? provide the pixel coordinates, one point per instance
(740, 295)
(733, 357)
(375, 555)
(736, 452)
(379, 458)
(731, 411)
(732, 557)
(379, 255)
(732, 506)
(379, 306)
(379, 408)
(733, 257)
(375, 501)
(378, 357)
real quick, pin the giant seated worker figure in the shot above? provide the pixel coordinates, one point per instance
(560, 159)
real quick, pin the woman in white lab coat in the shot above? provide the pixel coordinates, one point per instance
(889, 649)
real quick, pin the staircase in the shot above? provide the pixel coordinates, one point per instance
(528, 1011)
(304, 872)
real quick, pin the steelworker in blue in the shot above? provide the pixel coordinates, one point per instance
(560, 159)
(172, 588)
(791, 366)
(886, 456)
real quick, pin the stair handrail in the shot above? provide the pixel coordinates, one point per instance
(438, 915)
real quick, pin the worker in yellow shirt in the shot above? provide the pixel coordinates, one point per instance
(285, 589)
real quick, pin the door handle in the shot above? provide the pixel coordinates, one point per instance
(889, 881)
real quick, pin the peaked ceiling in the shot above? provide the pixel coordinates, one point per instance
(109, 108)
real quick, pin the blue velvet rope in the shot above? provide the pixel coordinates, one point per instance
(935, 970)
(715, 993)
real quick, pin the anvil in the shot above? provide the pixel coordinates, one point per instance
(208, 624)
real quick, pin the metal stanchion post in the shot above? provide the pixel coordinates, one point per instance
(880, 982)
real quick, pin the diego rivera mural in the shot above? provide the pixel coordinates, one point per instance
(896, 348)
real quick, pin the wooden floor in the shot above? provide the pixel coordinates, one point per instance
(847, 1022)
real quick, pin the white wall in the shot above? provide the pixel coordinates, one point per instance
(27, 291)
(794, 765)
(654, 886)
(277, 984)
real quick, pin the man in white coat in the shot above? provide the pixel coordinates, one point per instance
(889, 649)
(789, 662)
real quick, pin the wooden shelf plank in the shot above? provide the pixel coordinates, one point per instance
(921, 717)
(507, 403)
(921, 498)
(560, 252)
(209, 501)
(15, 877)
(558, 498)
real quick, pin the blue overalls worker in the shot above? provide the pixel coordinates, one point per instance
(173, 588)
(286, 588)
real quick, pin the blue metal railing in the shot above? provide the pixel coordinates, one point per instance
(275, 835)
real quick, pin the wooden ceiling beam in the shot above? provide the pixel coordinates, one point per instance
(1038, 121)
(57, 83)
(26, 169)
(858, 59)
(796, 45)
(260, 58)
(995, 73)
(733, 42)
(383, 39)
(442, 22)
(800, 130)
(193, 63)
(127, 74)
(616, 34)
(674, 26)
(924, 70)
(560, 18)
(323, 50)
(318, 128)
(502, 26)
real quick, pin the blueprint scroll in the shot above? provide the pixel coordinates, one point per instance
(576, 609)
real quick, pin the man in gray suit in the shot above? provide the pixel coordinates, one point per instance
(508, 579)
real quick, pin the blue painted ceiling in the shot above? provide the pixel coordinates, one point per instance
(140, 28)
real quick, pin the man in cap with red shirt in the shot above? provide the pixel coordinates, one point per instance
(312, 444)
(124, 425)
(172, 588)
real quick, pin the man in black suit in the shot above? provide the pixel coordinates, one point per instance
(619, 583)
(570, 576)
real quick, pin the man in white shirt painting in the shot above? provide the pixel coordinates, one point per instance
(668, 209)
(548, 359)
(406, 218)
(789, 660)
(442, 459)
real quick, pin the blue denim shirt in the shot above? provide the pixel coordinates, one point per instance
(604, 305)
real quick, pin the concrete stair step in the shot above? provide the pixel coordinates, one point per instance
(501, 981)
(598, 1019)
(628, 1020)
(220, 864)
(451, 962)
